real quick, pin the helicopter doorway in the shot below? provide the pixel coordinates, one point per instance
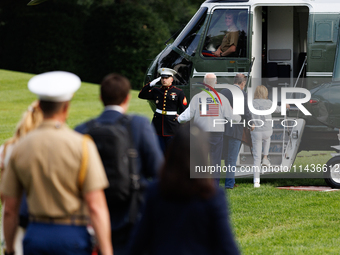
(280, 44)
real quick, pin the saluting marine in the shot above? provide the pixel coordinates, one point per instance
(169, 101)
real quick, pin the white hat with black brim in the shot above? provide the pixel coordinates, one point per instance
(166, 72)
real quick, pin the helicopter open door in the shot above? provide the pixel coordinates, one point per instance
(279, 45)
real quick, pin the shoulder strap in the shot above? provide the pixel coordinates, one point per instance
(134, 174)
(133, 153)
(90, 124)
(84, 161)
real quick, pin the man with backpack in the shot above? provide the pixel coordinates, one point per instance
(130, 154)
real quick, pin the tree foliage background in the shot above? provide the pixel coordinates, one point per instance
(89, 37)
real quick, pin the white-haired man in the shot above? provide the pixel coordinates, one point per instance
(208, 109)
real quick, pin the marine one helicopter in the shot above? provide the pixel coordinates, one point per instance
(281, 44)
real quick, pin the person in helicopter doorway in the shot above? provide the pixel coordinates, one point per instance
(169, 102)
(233, 134)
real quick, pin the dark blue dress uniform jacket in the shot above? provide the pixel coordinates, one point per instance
(195, 227)
(166, 99)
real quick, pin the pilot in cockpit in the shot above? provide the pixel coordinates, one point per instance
(230, 39)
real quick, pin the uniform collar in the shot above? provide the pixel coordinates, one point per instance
(167, 88)
(233, 28)
(51, 124)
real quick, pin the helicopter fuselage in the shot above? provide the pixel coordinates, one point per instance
(281, 44)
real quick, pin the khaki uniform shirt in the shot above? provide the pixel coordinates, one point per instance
(46, 164)
(230, 38)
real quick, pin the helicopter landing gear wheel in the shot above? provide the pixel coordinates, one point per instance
(332, 176)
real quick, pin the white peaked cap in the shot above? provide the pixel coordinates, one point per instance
(56, 86)
(166, 71)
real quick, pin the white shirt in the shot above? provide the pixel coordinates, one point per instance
(114, 108)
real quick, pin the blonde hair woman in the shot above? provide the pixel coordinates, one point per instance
(31, 119)
(263, 131)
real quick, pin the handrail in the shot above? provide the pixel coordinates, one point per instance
(249, 71)
(285, 148)
(303, 66)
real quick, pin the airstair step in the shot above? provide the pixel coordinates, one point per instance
(275, 146)
(247, 158)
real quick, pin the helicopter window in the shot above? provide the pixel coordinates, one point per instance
(188, 40)
(324, 31)
(227, 34)
(177, 62)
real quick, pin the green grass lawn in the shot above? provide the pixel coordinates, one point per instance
(15, 98)
(265, 220)
(271, 221)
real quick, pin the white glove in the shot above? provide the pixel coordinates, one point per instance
(153, 83)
